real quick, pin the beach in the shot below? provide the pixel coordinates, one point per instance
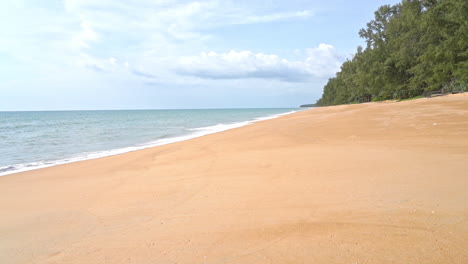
(366, 183)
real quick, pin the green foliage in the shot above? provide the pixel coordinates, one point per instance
(412, 98)
(413, 47)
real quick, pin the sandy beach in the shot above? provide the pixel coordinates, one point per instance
(369, 183)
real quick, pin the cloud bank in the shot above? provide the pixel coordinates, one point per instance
(124, 37)
(162, 49)
(320, 62)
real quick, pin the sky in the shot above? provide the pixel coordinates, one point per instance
(173, 54)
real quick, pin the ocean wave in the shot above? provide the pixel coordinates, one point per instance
(194, 133)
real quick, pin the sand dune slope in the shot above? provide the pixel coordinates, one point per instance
(369, 183)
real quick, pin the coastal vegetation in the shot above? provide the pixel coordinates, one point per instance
(413, 47)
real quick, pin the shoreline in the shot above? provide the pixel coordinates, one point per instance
(195, 133)
(367, 183)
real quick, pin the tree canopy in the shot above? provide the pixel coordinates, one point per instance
(412, 47)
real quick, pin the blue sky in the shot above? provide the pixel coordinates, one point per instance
(153, 54)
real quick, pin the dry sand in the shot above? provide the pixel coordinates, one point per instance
(369, 183)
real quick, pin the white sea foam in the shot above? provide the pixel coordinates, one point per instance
(194, 133)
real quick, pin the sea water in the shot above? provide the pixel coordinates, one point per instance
(32, 140)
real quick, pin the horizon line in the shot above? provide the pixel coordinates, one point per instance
(143, 109)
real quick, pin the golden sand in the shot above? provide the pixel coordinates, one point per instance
(368, 183)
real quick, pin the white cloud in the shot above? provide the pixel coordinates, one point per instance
(275, 17)
(324, 60)
(123, 37)
(84, 37)
(162, 31)
(180, 20)
(113, 60)
(320, 62)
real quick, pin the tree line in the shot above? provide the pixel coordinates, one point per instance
(413, 47)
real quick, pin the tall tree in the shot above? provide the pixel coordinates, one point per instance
(412, 47)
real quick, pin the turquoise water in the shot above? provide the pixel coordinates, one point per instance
(31, 140)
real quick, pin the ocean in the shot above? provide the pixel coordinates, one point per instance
(32, 140)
